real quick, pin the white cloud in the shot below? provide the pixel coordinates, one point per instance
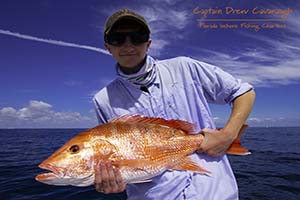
(39, 114)
(165, 23)
(283, 72)
(273, 121)
(8, 112)
(157, 46)
(55, 42)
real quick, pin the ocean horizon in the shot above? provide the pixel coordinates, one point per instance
(83, 128)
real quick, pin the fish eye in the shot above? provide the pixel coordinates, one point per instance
(74, 149)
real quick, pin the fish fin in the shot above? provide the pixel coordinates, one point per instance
(177, 124)
(188, 165)
(236, 147)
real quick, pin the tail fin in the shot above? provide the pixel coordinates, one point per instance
(236, 147)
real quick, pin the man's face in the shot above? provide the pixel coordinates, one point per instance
(128, 55)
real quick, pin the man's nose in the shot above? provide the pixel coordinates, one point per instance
(128, 42)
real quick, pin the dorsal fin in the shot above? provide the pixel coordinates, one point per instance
(177, 124)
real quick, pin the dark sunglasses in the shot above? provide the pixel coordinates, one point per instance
(119, 38)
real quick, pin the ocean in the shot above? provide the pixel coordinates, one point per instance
(272, 171)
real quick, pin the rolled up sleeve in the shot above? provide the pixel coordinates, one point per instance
(218, 86)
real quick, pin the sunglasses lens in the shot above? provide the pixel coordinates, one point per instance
(118, 39)
(139, 38)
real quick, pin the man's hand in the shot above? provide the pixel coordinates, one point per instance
(108, 178)
(215, 142)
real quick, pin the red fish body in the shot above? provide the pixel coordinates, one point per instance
(141, 147)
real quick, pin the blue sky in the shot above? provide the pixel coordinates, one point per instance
(52, 56)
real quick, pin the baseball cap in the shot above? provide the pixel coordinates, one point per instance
(122, 15)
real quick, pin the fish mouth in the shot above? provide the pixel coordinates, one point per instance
(55, 173)
(56, 176)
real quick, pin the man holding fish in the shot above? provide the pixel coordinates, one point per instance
(178, 88)
(157, 138)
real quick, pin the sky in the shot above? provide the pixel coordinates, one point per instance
(53, 59)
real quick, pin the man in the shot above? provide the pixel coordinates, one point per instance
(178, 88)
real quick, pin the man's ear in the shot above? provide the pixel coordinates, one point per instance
(149, 44)
(107, 47)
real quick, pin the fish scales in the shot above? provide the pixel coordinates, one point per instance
(156, 146)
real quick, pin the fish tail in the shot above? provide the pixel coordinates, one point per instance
(236, 148)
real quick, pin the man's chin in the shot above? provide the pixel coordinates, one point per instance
(129, 64)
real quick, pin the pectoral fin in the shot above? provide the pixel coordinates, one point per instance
(188, 165)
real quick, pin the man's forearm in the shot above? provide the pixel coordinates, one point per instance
(241, 109)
